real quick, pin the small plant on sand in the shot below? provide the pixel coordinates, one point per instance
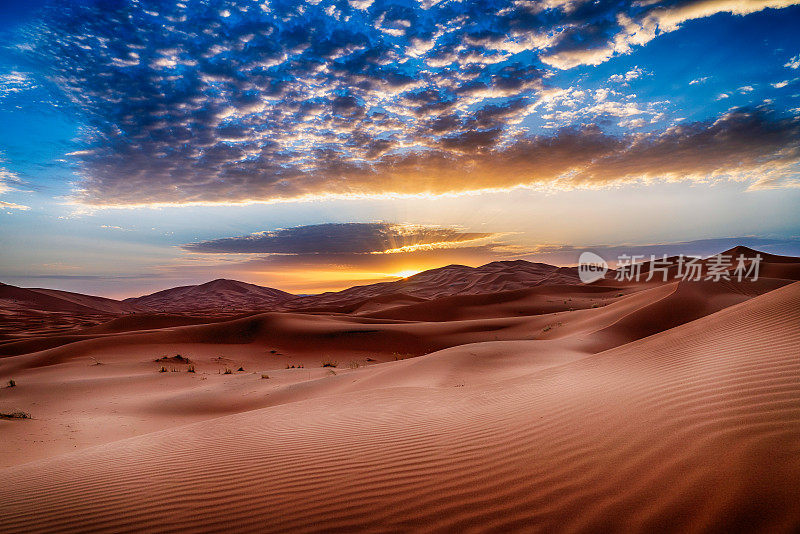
(15, 415)
(162, 369)
(173, 359)
(264, 377)
(329, 363)
(190, 369)
(12, 383)
(240, 369)
(227, 371)
(353, 364)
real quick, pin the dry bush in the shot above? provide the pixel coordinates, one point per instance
(15, 415)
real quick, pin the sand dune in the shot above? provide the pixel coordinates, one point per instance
(215, 295)
(35, 312)
(535, 301)
(58, 301)
(675, 432)
(554, 407)
(493, 277)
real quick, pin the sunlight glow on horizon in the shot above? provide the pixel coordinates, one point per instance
(406, 273)
(188, 148)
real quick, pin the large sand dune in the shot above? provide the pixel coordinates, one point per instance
(557, 407)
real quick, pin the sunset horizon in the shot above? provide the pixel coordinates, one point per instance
(569, 126)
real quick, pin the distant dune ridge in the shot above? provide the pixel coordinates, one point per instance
(508, 397)
(217, 294)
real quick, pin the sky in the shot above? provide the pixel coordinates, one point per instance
(312, 146)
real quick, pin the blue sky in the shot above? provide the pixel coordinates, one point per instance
(134, 129)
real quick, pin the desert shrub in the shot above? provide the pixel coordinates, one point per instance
(190, 369)
(329, 363)
(227, 371)
(12, 383)
(240, 369)
(173, 359)
(162, 369)
(15, 415)
(264, 377)
(353, 364)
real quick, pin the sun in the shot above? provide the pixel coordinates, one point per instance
(405, 274)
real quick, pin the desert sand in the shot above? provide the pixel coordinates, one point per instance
(508, 397)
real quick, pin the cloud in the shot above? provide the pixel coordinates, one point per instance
(10, 181)
(15, 82)
(598, 39)
(224, 101)
(12, 206)
(744, 144)
(343, 238)
(632, 74)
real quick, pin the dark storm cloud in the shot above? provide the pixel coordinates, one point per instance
(343, 238)
(236, 101)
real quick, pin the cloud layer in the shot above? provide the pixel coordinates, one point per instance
(343, 238)
(235, 101)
